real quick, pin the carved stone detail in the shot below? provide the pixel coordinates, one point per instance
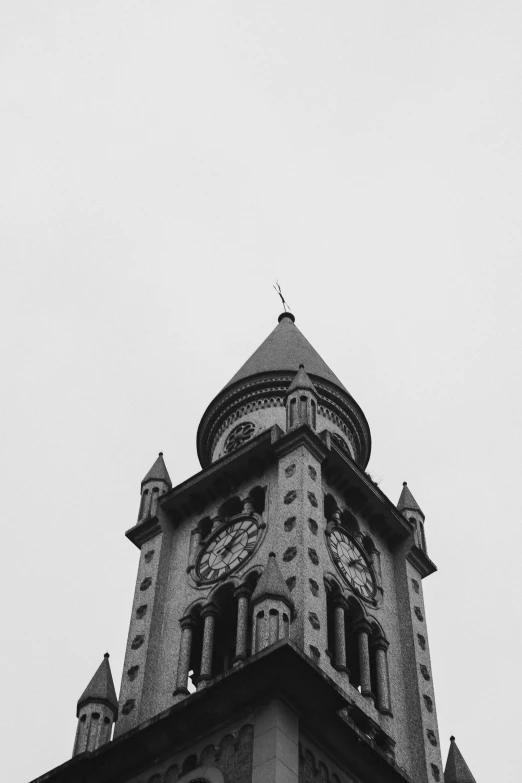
(418, 613)
(314, 587)
(141, 611)
(137, 641)
(289, 524)
(432, 737)
(314, 620)
(290, 583)
(313, 473)
(312, 524)
(424, 671)
(148, 557)
(146, 583)
(290, 497)
(290, 554)
(428, 702)
(314, 557)
(312, 499)
(132, 673)
(128, 706)
(290, 470)
(422, 641)
(415, 585)
(232, 756)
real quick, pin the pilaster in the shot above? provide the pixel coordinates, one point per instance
(276, 744)
(140, 676)
(423, 731)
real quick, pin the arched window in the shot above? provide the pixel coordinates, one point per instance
(329, 506)
(215, 635)
(231, 507)
(225, 632)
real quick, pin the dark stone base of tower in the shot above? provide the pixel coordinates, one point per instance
(278, 630)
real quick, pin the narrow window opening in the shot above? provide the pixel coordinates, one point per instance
(293, 406)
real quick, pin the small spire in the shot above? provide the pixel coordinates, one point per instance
(158, 472)
(289, 315)
(407, 502)
(301, 380)
(457, 771)
(101, 688)
(272, 585)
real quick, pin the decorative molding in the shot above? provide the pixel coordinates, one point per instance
(144, 531)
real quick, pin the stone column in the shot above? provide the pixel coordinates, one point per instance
(340, 635)
(381, 659)
(209, 614)
(243, 596)
(195, 543)
(187, 628)
(362, 629)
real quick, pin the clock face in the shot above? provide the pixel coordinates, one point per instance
(352, 562)
(230, 547)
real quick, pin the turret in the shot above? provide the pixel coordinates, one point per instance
(457, 771)
(409, 507)
(301, 401)
(157, 482)
(272, 606)
(97, 710)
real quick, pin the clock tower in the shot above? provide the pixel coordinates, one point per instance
(278, 630)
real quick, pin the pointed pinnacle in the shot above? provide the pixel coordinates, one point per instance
(457, 771)
(272, 585)
(301, 380)
(158, 472)
(101, 687)
(407, 502)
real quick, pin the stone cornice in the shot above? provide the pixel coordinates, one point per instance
(275, 384)
(301, 436)
(279, 671)
(220, 478)
(421, 562)
(144, 531)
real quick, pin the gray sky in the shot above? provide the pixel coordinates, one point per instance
(161, 164)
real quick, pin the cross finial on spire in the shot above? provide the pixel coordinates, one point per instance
(278, 289)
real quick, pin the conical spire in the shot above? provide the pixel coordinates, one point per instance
(457, 771)
(158, 472)
(272, 585)
(407, 502)
(301, 381)
(101, 688)
(282, 351)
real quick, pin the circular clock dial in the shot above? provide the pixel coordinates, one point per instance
(352, 562)
(228, 549)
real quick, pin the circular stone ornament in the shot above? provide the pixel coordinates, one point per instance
(239, 436)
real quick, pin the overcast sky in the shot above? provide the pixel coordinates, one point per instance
(161, 164)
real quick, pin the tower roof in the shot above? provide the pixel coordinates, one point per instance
(284, 350)
(407, 502)
(301, 381)
(457, 771)
(158, 472)
(272, 585)
(101, 687)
